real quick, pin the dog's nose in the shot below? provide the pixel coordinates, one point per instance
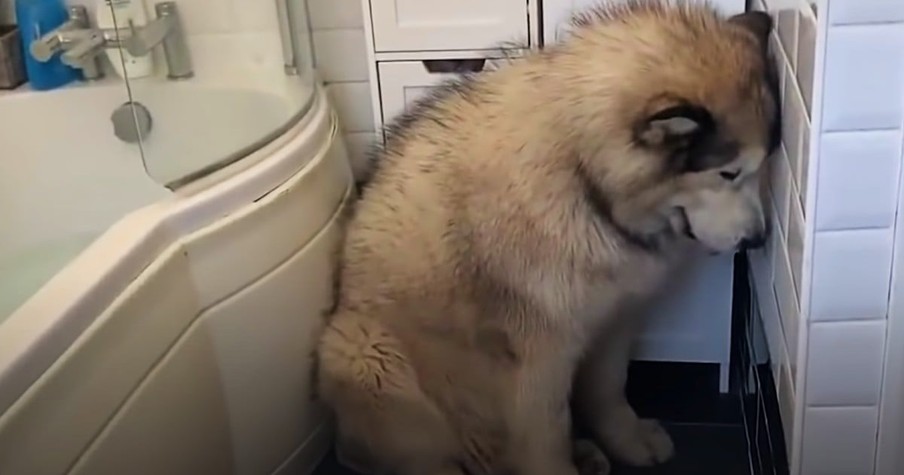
(754, 242)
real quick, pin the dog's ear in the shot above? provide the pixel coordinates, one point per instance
(756, 22)
(672, 123)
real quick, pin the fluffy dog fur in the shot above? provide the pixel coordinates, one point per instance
(514, 220)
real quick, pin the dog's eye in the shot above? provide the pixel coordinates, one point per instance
(730, 175)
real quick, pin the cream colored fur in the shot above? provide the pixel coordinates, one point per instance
(510, 227)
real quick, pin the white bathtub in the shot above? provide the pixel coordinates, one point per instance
(174, 333)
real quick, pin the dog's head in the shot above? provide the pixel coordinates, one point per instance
(696, 110)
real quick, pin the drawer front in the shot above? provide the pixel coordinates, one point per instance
(403, 82)
(433, 25)
(556, 13)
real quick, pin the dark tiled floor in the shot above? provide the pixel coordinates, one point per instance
(707, 427)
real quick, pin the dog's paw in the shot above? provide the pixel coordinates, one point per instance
(589, 459)
(646, 444)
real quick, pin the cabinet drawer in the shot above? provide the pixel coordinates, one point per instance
(403, 82)
(433, 25)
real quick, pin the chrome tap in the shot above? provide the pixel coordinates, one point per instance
(73, 35)
(166, 29)
(81, 44)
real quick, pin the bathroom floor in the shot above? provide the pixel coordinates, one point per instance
(707, 427)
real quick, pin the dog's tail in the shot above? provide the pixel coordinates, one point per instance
(360, 352)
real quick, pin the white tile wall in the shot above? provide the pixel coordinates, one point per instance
(330, 14)
(781, 301)
(806, 57)
(851, 353)
(340, 54)
(839, 441)
(843, 106)
(353, 104)
(781, 187)
(861, 169)
(866, 11)
(788, 169)
(864, 77)
(851, 274)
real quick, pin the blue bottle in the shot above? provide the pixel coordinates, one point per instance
(35, 19)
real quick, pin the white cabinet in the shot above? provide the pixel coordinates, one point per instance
(431, 25)
(556, 13)
(404, 82)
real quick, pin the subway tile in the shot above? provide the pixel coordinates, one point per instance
(358, 145)
(839, 440)
(780, 180)
(255, 15)
(341, 55)
(330, 14)
(806, 59)
(778, 56)
(852, 351)
(794, 122)
(864, 78)
(865, 11)
(851, 273)
(761, 261)
(804, 170)
(772, 327)
(786, 404)
(206, 16)
(786, 26)
(788, 307)
(354, 105)
(858, 179)
(796, 230)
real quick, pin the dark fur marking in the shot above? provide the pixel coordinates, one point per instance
(709, 153)
(603, 209)
(703, 149)
(757, 23)
(706, 126)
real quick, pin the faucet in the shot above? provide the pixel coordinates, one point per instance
(73, 34)
(81, 45)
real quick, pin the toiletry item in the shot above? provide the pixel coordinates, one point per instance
(125, 14)
(37, 18)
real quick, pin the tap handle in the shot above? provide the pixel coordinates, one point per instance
(44, 48)
(50, 43)
(142, 39)
(85, 51)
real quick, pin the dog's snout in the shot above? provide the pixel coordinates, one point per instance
(754, 242)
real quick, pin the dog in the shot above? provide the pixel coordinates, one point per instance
(513, 222)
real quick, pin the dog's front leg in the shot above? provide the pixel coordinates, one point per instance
(600, 402)
(542, 442)
(541, 420)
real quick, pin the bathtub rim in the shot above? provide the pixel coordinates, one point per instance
(46, 324)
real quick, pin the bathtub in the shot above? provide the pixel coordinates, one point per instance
(155, 331)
